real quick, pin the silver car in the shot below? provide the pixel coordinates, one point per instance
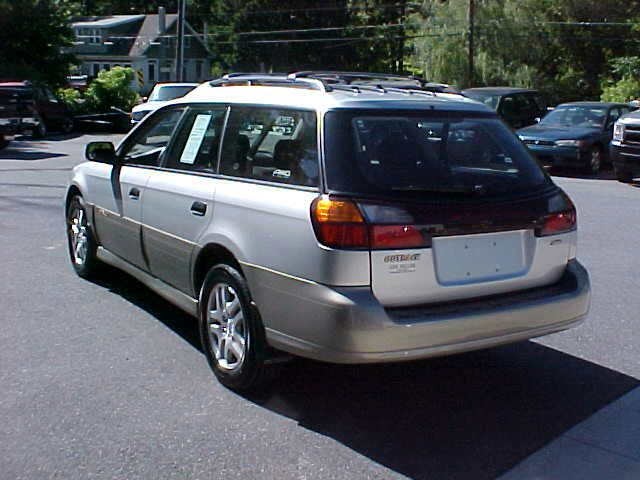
(343, 222)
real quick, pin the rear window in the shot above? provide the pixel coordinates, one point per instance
(9, 94)
(415, 153)
(169, 92)
(489, 100)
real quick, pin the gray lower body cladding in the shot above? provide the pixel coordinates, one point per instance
(348, 325)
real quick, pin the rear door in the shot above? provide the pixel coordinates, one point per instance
(455, 206)
(178, 204)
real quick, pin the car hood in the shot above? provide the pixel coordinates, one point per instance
(148, 106)
(541, 132)
(632, 118)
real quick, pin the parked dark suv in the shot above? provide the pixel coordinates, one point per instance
(30, 107)
(517, 106)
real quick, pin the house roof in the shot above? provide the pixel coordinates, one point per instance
(106, 22)
(132, 35)
(149, 32)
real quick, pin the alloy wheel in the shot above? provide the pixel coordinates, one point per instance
(78, 235)
(226, 327)
(595, 160)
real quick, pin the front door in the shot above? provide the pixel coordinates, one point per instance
(118, 220)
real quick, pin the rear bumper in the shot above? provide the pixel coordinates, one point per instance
(348, 325)
(16, 125)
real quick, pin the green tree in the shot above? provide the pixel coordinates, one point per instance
(33, 35)
(624, 83)
(559, 46)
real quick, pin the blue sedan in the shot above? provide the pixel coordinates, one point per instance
(574, 134)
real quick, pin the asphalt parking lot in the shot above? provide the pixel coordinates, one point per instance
(107, 380)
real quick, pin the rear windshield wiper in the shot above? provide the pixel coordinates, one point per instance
(464, 190)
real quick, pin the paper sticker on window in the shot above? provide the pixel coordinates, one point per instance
(196, 136)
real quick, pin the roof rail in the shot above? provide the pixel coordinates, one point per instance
(270, 79)
(326, 81)
(349, 77)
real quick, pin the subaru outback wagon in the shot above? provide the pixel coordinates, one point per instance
(344, 223)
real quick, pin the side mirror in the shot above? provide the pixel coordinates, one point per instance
(144, 99)
(537, 119)
(103, 152)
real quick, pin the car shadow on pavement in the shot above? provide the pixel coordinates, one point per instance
(51, 137)
(606, 173)
(14, 152)
(124, 285)
(474, 415)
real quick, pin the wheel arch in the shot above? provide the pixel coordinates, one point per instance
(72, 191)
(210, 255)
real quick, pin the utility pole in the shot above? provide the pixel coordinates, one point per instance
(471, 34)
(182, 10)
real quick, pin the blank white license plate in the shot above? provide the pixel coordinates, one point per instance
(480, 258)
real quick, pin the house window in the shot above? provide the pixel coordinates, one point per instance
(198, 69)
(95, 69)
(166, 70)
(106, 67)
(151, 76)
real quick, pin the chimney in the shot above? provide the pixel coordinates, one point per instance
(162, 20)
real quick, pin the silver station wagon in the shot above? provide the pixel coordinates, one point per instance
(331, 216)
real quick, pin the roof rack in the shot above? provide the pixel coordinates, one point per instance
(326, 81)
(348, 77)
(269, 79)
(381, 80)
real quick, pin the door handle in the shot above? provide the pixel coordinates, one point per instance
(134, 193)
(199, 208)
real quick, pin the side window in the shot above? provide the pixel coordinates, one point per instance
(151, 139)
(508, 108)
(524, 106)
(273, 144)
(197, 142)
(538, 102)
(50, 96)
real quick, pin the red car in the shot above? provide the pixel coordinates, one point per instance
(30, 107)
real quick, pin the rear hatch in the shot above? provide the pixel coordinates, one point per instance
(450, 204)
(15, 102)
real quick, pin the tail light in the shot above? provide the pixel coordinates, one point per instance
(340, 224)
(562, 219)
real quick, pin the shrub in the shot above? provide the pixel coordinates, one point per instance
(72, 99)
(112, 89)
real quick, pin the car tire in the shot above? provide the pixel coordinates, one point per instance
(231, 331)
(67, 125)
(40, 131)
(594, 160)
(624, 177)
(80, 239)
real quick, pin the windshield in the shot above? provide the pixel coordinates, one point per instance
(169, 92)
(413, 154)
(489, 100)
(16, 92)
(576, 116)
